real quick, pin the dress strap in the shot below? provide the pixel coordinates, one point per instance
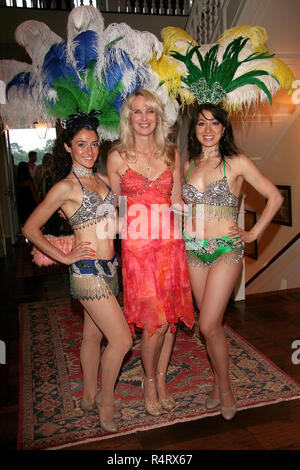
(102, 180)
(124, 159)
(191, 167)
(78, 180)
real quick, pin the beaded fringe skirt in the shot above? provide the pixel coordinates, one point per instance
(94, 279)
(203, 253)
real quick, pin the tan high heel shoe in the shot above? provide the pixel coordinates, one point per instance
(212, 403)
(97, 402)
(228, 412)
(87, 408)
(107, 426)
(153, 409)
(168, 404)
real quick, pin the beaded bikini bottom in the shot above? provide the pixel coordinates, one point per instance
(94, 279)
(201, 253)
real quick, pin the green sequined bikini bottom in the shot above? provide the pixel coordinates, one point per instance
(201, 253)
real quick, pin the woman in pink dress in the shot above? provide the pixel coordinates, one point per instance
(145, 169)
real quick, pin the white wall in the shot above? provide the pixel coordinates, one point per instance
(285, 273)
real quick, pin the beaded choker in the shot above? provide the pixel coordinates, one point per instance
(205, 152)
(82, 171)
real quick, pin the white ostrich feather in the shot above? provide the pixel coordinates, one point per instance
(105, 134)
(138, 45)
(19, 111)
(37, 38)
(249, 95)
(170, 104)
(10, 68)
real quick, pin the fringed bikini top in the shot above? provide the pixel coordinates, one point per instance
(217, 199)
(93, 207)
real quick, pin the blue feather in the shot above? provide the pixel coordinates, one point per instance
(115, 73)
(86, 49)
(55, 66)
(21, 80)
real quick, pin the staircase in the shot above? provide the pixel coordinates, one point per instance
(148, 7)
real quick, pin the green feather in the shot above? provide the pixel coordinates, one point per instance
(70, 98)
(223, 73)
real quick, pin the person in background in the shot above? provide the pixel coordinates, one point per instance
(44, 176)
(26, 195)
(32, 158)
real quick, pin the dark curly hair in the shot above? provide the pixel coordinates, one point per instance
(227, 146)
(61, 158)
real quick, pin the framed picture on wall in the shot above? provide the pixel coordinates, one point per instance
(284, 215)
(250, 248)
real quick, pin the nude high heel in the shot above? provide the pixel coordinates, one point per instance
(212, 403)
(168, 404)
(87, 408)
(97, 402)
(153, 409)
(107, 426)
(228, 412)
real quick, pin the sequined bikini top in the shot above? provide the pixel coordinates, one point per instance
(93, 207)
(217, 199)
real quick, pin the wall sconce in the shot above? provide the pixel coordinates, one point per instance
(41, 129)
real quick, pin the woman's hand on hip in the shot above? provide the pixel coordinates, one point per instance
(81, 251)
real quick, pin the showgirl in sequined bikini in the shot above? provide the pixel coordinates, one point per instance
(214, 173)
(89, 204)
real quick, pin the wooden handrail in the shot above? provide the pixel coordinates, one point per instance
(275, 257)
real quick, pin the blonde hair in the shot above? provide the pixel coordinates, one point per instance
(164, 147)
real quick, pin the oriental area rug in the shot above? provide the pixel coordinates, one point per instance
(51, 380)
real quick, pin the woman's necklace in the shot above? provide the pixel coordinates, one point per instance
(205, 152)
(82, 171)
(148, 168)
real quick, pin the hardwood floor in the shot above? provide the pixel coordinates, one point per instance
(271, 322)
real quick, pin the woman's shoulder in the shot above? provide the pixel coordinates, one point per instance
(65, 185)
(187, 165)
(239, 160)
(115, 157)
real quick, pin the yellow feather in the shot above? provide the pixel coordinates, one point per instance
(176, 39)
(257, 35)
(283, 74)
(170, 70)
